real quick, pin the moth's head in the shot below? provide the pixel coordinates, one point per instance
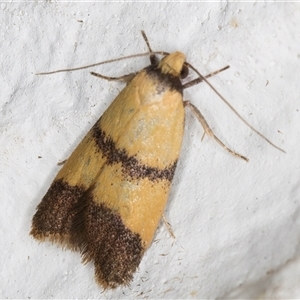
(174, 64)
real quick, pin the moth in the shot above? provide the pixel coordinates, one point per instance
(108, 198)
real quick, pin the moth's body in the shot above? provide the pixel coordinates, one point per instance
(108, 198)
(110, 195)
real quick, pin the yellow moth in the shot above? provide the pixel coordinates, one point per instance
(110, 195)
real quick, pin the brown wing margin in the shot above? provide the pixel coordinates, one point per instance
(101, 236)
(55, 214)
(93, 229)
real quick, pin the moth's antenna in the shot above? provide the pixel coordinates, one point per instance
(146, 40)
(231, 107)
(105, 62)
(153, 58)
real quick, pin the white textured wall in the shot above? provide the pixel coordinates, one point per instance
(237, 224)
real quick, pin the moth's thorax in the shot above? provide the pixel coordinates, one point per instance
(161, 84)
(155, 88)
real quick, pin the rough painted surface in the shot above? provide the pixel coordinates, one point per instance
(235, 222)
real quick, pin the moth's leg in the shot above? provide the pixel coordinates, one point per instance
(167, 224)
(200, 79)
(125, 78)
(153, 59)
(208, 130)
(60, 163)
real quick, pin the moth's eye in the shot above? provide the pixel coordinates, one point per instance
(184, 72)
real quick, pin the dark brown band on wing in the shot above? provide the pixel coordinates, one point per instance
(55, 213)
(131, 166)
(102, 237)
(70, 216)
